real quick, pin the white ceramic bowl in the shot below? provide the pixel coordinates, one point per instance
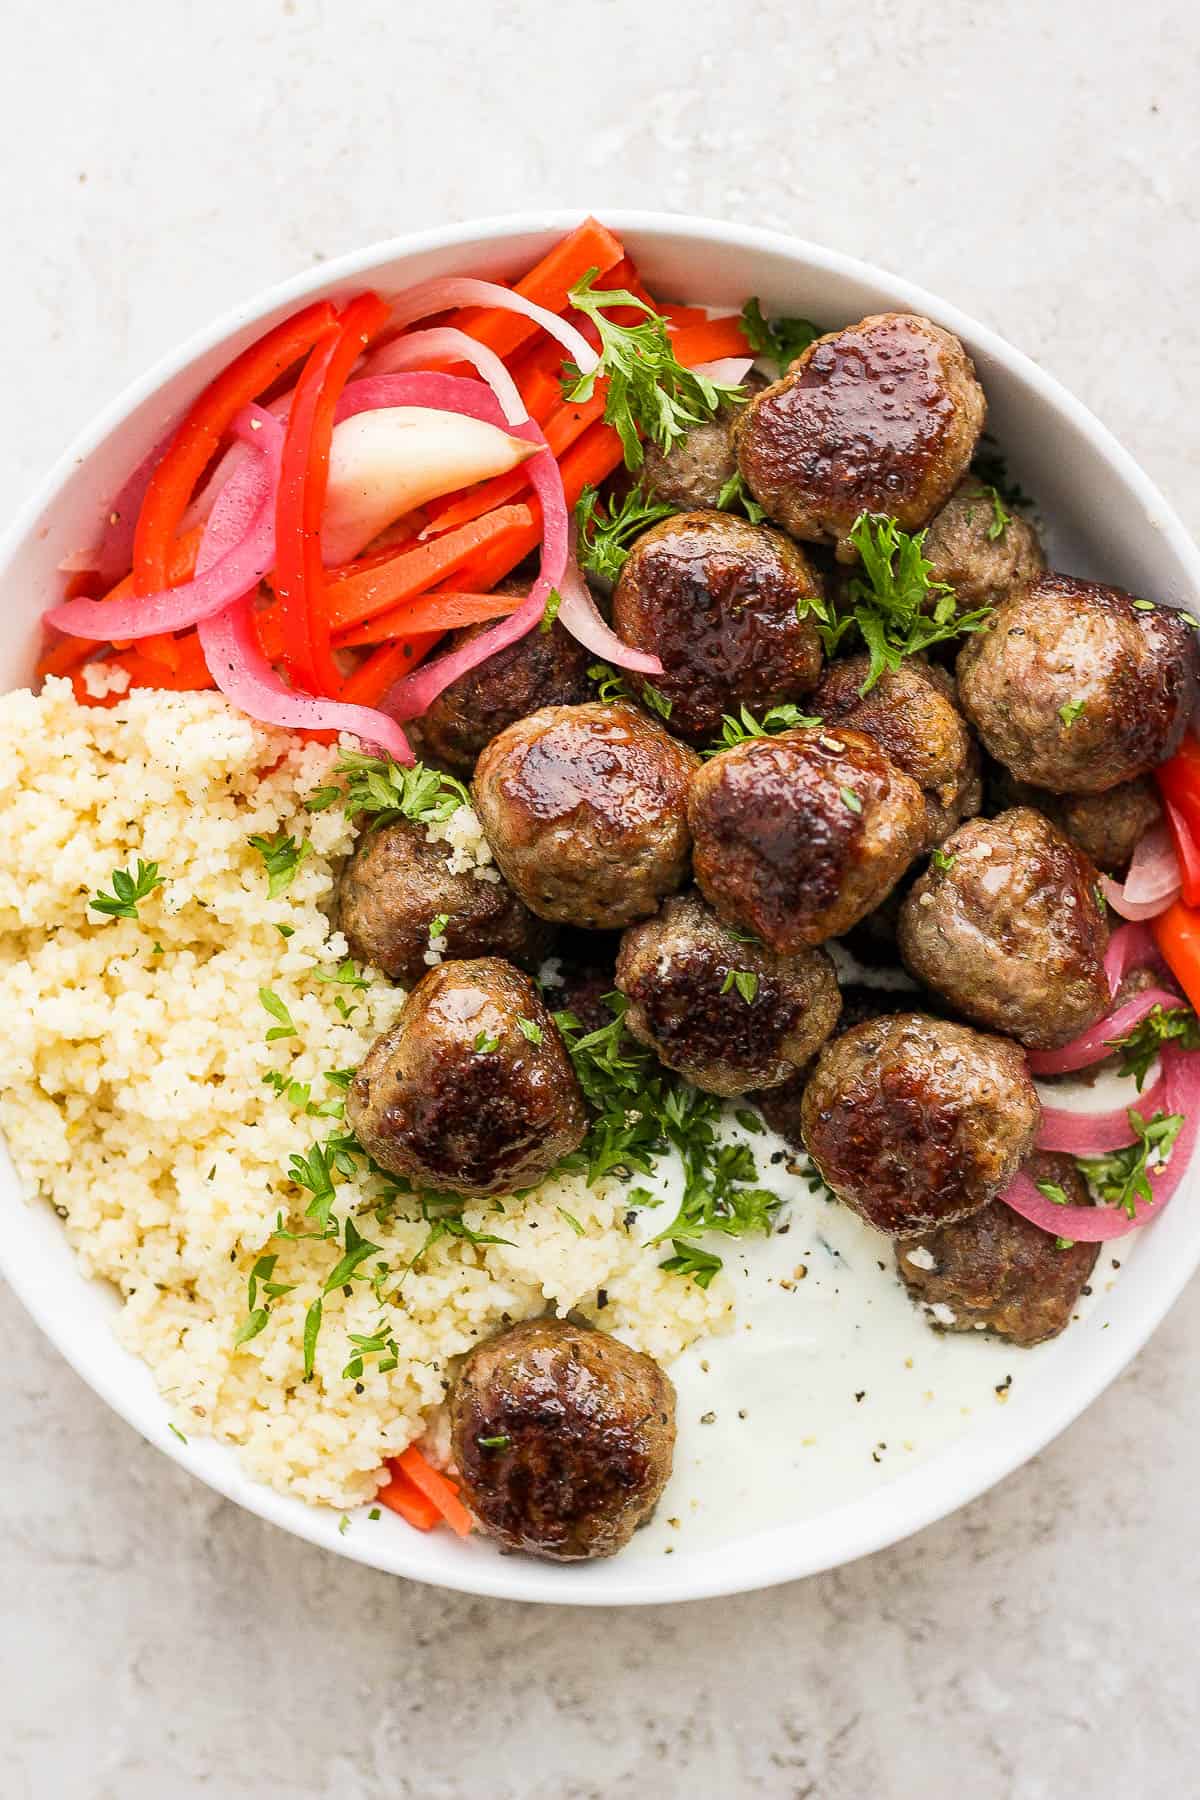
(1107, 520)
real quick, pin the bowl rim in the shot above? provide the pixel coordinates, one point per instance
(778, 1554)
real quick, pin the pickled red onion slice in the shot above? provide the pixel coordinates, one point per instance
(460, 290)
(444, 344)
(1094, 1044)
(1153, 880)
(1099, 1224)
(1130, 947)
(247, 551)
(581, 617)
(728, 371)
(1090, 1134)
(228, 638)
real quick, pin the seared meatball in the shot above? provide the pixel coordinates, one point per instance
(1007, 925)
(680, 972)
(1107, 827)
(455, 1095)
(694, 473)
(544, 668)
(585, 810)
(981, 558)
(997, 1272)
(397, 883)
(715, 598)
(915, 1121)
(780, 1106)
(911, 715)
(563, 1437)
(1078, 687)
(798, 836)
(882, 417)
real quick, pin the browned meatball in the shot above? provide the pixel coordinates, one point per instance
(727, 1014)
(715, 598)
(983, 553)
(695, 472)
(997, 1272)
(798, 836)
(456, 1095)
(882, 417)
(544, 668)
(1007, 925)
(1078, 687)
(1107, 827)
(563, 1437)
(911, 715)
(397, 883)
(585, 810)
(781, 1106)
(915, 1121)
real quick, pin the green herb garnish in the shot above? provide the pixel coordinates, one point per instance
(736, 494)
(485, 1043)
(1070, 710)
(783, 340)
(850, 800)
(272, 1004)
(282, 856)
(607, 529)
(649, 391)
(571, 1220)
(128, 890)
(382, 790)
(656, 701)
(898, 609)
(691, 1260)
(744, 980)
(745, 726)
(1122, 1177)
(529, 1028)
(1140, 1047)
(943, 860)
(550, 611)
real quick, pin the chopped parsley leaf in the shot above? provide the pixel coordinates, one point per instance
(171, 1426)
(744, 980)
(656, 701)
(783, 340)
(272, 1004)
(736, 494)
(850, 799)
(572, 1221)
(383, 791)
(128, 890)
(745, 726)
(607, 529)
(1140, 1047)
(282, 856)
(943, 860)
(1123, 1177)
(690, 1259)
(529, 1028)
(550, 611)
(1070, 710)
(485, 1043)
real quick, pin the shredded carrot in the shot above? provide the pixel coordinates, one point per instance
(385, 666)
(435, 1487)
(589, 246)
(402, 1497)
(709, 342)
(442, 610)
(414, 571)
(64, 655)
(678, 317)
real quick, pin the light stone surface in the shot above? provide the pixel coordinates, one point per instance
(1036, 164)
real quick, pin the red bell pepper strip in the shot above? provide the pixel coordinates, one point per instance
(1185, 834)
(1177, 934)
(299, 569)
(199, 434)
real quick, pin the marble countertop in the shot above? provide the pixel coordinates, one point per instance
(1036, 165)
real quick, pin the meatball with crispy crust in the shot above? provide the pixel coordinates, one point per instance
(563, 1438)
(911, 714)
(882, 417)
(797, 837)
(397, 884)
(981, 549)
(1078, 687)
(543, 668)
(1107, 827)
(1007, 925)
(915, 1121)
(585, 810)
(716, 599)
(780, 1106)
(458, 1095)
(727, 1014)
(695, 472)
(996, 1272)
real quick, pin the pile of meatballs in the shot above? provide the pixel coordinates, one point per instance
(953, 818)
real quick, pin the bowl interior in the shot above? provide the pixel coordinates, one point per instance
(1105, 519)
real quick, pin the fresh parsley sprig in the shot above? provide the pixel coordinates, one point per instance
(782, 340)
(129, 889)
(896, 606)
(383, 790)
(743, 727)
(1141, 1047)
(1122, 1177)
(607, 529)
(649, 392)
(282, 856)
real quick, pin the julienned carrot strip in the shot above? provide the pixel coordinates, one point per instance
(562, 429)
(190, 674)
(439, 611)
(401, 1496)
(589, 246)
(414, 571)
(710, 342)
(436, 1488)
(61, 657)
(384, 667)
(679, 316)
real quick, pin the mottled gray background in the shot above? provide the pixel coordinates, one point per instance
(1036, 164)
